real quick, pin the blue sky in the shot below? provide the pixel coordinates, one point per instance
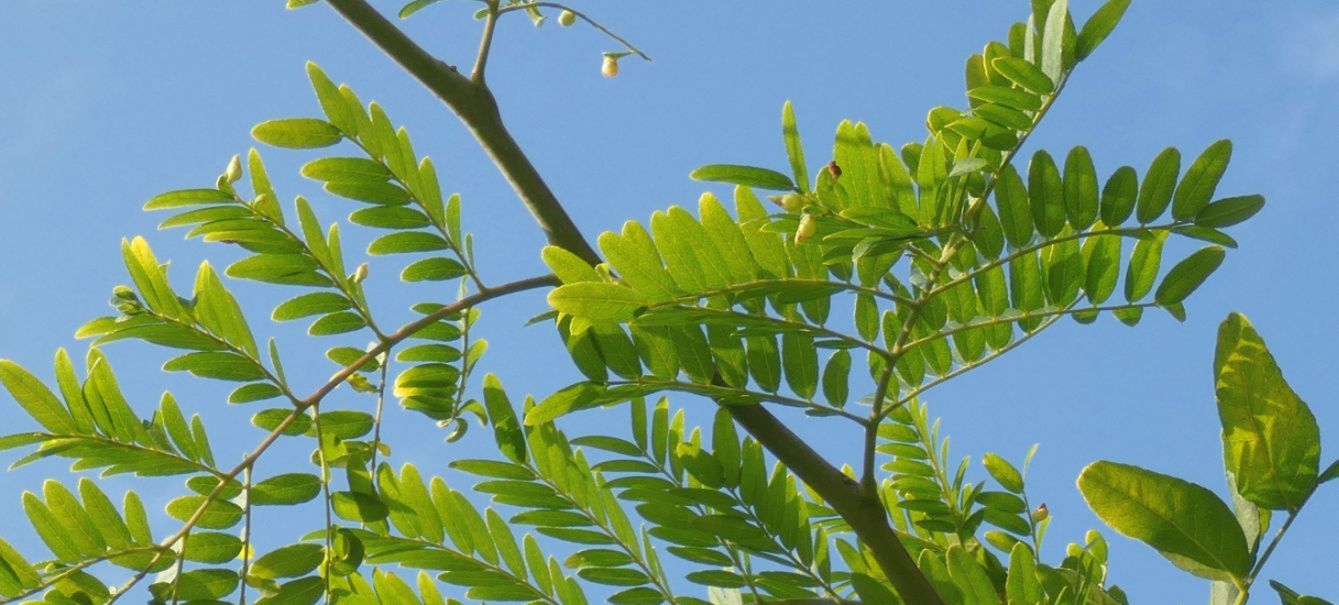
(105, 106)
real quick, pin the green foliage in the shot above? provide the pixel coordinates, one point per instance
(945, 254)
(1271, 451)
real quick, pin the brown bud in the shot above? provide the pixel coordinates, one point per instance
(834, 170)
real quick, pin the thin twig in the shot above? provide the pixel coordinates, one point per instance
(485, 42)
(301, 405)
(325, 496)
(867, 481)
(580, 15)
(912, 394)
(246, 537)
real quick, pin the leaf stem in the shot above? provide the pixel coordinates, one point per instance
(580, 15)
(485, 41)
(315, 398)
(867, 481)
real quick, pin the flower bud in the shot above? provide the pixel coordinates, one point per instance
(790, 202)
(610, 67)
(834, 170)
(123, 293)
(359, 274)
(567, 18)
(234, 171)
(1041, 514)
(808, 227)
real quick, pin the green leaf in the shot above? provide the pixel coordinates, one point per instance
(286, 489)
(36, 398)
(1201, 180)
(799, 358)
(218, 514)
(969, 576)
(1024, 74)
(1187, 523)
(211, 547)
(836, 376)
(794, 149)
(1004, 473)
(1331, 473)
(188, 197)
(197, 585)
(358, 506)
(311, 303)
(407, 241)
(1052, 41)
(432, 269)
(597, 301)
(1271, 442)
(415, 6)
(222, 365)
(1099, 26)
(1142, 271)
(332, 103)
(1022, 587)
(1118, 196)
(217, 310)
(1080, 188)
(1046, 194)
(389, 217)
(150, 277)
(1011, 197)
(288, 561)
(1229, 211)
(297, 133)
(1159, 183)
(572, 398)
(346, 424)
(749, 176)
(1292, 597)
(336, 323)
(1188, 274)
(506, 430)
(345, 169)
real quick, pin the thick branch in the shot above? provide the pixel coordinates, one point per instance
(474, 104)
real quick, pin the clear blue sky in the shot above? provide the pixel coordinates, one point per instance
(106, 104)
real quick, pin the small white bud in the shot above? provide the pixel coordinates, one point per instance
(359, 274)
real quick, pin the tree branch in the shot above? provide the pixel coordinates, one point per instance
(474, 104)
